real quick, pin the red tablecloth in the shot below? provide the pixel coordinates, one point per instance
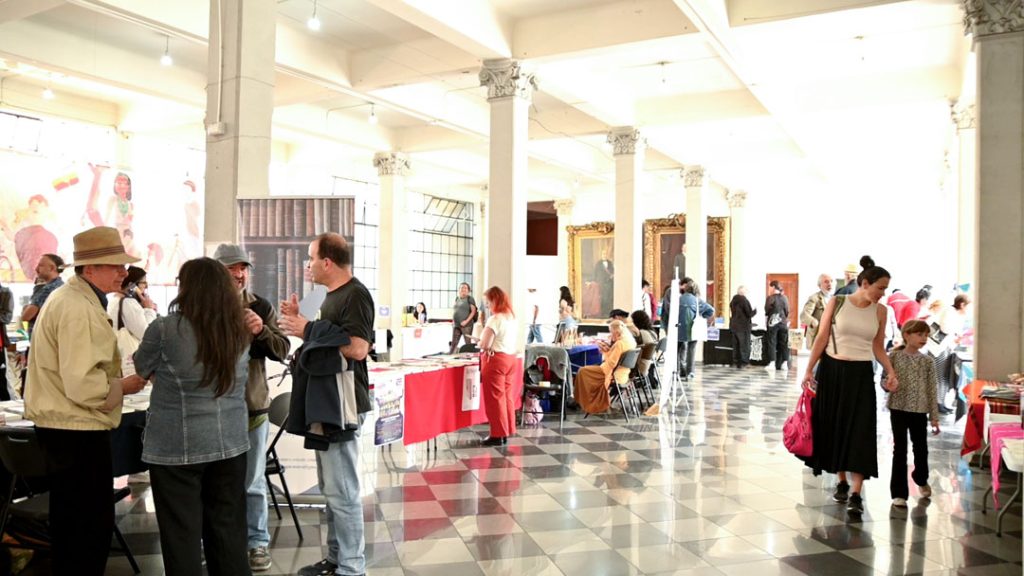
(974, 430)
(433, 404)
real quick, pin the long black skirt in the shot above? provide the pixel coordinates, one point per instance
(843, 419)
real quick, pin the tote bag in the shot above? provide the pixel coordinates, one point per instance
(127, 344)
(471, 389)
(796, 432)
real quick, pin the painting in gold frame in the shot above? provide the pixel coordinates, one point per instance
(592, 269)
(663, 240)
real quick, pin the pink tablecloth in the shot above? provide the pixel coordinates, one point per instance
(996, 434)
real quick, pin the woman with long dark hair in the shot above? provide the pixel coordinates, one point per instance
(498, 356)
(843, 421)
(197, 428)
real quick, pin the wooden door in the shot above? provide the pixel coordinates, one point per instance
(791, 289)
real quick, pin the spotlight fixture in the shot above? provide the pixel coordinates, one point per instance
(373, 115)
(48, 94)
(166, 59)
(314, 22)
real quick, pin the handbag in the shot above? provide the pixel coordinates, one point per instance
(127, 344)
(471, 389)
(796, 432)
(699, 330)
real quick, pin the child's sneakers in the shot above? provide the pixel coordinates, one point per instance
(926, 491)
(899, 502)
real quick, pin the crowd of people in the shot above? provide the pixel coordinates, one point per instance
(207, 424)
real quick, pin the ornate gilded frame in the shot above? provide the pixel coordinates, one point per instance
(576, 235)
(676, 224)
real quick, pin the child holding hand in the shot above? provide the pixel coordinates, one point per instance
(911, 407)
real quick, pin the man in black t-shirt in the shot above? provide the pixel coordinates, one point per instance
(349, 305)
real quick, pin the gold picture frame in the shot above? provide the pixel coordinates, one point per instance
(659, 235)
(591, 269)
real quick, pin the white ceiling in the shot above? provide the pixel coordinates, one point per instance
(760, 93)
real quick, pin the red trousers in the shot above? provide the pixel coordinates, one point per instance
(497, 385)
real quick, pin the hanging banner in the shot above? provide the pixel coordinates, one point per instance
(389, 408)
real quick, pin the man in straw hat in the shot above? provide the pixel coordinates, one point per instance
(74, 396)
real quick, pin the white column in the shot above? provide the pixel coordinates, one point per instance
(509, 91)
(628, 148)
(998, 31)
(696, 228)
(966, 173)
(392, 169)
(738, 244)
(564, 210)
(239, 108)
(480, 252)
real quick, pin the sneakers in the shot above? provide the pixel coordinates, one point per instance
(899, 502)
(259, 559)
(926, 491)
(322, 568)
(841, 493)
(855, 504)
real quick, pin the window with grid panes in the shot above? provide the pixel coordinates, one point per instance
(441, 252)
(367, 232)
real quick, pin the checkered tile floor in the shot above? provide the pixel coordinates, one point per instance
(712, 491)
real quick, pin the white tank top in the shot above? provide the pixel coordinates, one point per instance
(855, 330)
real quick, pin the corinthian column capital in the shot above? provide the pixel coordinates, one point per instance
(737, 199)
(990, 17)
(625, 140)
(964, 116)
(693, 176)
(505, 79)
(391, 164)
(564, 207)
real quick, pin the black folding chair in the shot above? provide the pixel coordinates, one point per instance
(640, 377)
(24, 458)
(278, 416)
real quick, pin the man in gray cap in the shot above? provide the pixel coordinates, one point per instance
(268, 341)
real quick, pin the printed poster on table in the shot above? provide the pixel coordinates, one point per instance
(389, 408)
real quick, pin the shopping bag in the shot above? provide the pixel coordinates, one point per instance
(126, 346)
(796, 432)
(471, 389)
(699, 332)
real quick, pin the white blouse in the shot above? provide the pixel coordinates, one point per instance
(505, 331)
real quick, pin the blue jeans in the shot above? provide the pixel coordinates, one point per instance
(534, 335)
(337, 471)
(256, 486)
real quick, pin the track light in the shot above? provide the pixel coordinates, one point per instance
(314, 22)
(48, 94)
(373, 115)
(166, 59)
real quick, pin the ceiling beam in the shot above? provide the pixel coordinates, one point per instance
(473, 26)
(746, 12)
(419, 60)
(596, 29)
(11, 10)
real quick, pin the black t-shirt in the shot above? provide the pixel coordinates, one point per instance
(351, 308)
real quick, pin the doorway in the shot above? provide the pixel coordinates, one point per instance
(790, 289)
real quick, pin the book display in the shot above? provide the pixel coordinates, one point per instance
(276, 233)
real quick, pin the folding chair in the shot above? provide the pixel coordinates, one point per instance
(278, 416)
(647, 353)
(23, 457)
(627, 360)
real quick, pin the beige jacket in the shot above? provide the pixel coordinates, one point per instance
(811, 315)
(72, 359)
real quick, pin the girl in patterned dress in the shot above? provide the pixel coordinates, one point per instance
(911, 406)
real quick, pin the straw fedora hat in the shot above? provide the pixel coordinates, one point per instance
(100, 245)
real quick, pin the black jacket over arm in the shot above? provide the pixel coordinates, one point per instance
(315, 395)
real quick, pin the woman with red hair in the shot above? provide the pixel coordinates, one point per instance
(497, 377)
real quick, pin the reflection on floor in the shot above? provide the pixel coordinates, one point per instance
(709, 492)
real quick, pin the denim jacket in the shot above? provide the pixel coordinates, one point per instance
(185, 423)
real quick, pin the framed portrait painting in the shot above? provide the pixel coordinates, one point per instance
(592, 269)
(664, 252)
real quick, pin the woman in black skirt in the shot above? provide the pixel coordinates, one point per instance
(843, 419)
